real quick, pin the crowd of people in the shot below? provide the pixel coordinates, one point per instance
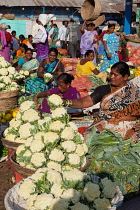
(119, 100)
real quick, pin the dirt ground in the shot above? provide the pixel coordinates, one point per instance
(5, 182)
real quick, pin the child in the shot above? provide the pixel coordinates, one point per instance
(123, 53)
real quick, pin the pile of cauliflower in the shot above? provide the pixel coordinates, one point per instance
(73, 190)
(7, 76)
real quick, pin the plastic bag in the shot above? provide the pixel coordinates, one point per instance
(40, 37)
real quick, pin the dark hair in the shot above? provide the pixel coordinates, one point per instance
(55, 25)
(23, 45)
(53, 49)
(66, 78)
(29, 36)
(21, 36)
(9, 26)
(13, 32)
(111, 25)
(28, 49)
(90, 24)
(63, 22)
(88, 52)
(121, 68)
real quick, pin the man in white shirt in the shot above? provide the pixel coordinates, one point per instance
(62, 34)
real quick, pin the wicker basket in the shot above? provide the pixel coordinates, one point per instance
(10, 144)
(8, 99)
(9, 16)
(129, 37)
(91, 9)
(24, 172)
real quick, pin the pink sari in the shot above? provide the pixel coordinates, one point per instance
(5, 50)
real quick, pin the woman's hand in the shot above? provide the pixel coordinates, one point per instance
(35, 98)
(109, 55)
(32, 71)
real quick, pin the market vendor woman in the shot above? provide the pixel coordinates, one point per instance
(120, 102)
(64, 89)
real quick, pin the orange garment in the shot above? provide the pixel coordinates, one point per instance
(24, 42)
(19, 53)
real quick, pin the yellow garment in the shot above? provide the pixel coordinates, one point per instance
(85, 69)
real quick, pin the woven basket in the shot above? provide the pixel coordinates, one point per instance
(9, 16)
(10, 144)
(24, 172)
(129, 37)
(8, 99)
(98, 21)
(91, 9)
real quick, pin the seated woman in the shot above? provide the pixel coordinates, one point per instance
(85, 66)
(21, 51)
(64, 89)
(27, 62)
(120, 102)
(50, 65)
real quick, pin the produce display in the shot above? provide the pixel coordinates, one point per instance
(118, 158)
(8, 115)
(134, 54)
(67, 190)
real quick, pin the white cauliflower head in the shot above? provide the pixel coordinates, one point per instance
(56, 190)
(26, 188)
(71, 195)
(68, 133)
(58, 112)
(73, 175)
(26, 105)
(54, 176)
(36, 146)
(50, 137)
(55, 99)
(57, 126)
(56, 155)
(54, 165)
(59, 204)
(30, 115)
(43, 201)
(30, 201)
(20, 148)
(79, 206)
(109, 188)
(73, 126)
(74, 159)
(38, 159)
(102, 203)
(25, 129)
(69, 146)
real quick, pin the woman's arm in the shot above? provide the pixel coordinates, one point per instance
(41, 95)
(40, 72)
(106, 49)
(79, 103)
(83, 25)
(18, 68)
(95, 71)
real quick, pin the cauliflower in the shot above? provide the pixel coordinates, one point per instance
(73, 126)
(80, 206)
(2, 85)
(56, 155)
(74, 159)
(20, 148)
(69, 146)
(71, 195)
(109, 189)
(28, 141)
(25, 129)
(15, 123)
(57, 126)
(18, 116)
(59, 204)
(6, 80)
(50, 137)
(73, 175)
(47, 77)
(30, 201)
(26, 188)
(4, 63)
(91, 191)
(26, 105)
(19, 140)
(67, 133)
(3, 71)
(56, 190)
(38, 159)
(6, 132)
(13, 88)
(27, 153)
(11, 70)
(102, 203)
(54, 166)
(10, 137)
(54, 176)
(39, 174)
(55, 99)
(43, 201)
(1, 58)
(58, 112)
(39, 136)
(81, 149)
(26, 73)
(36, 146)
(30, 115)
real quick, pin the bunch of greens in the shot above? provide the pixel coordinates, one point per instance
(115, 157)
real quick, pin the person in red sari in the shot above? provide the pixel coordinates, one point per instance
(6, 40)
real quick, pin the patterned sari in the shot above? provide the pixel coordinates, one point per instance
(118, 105)
(38, 84)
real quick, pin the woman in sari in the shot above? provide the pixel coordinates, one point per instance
(5, 41)
(88, 40)
(120, 103)
(50, 65)
(27, 63)
(21, 52)
(111, 43)
(64, 89)
(42, 48)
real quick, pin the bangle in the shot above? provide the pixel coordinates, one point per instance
(107, 51)
(68, 103)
